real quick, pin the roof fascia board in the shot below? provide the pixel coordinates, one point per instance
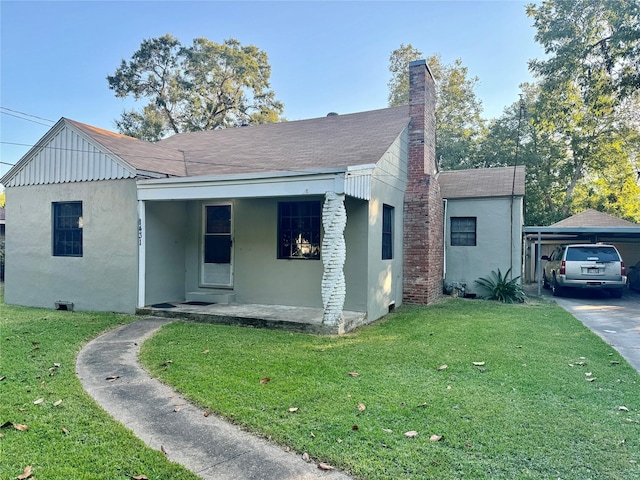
(243, 177)
(566, 230)
(267, 185)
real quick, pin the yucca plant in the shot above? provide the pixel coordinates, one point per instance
(501, 288)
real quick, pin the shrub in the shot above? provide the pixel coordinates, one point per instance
(501, 288)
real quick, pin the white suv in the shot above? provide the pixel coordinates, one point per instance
(585, 266)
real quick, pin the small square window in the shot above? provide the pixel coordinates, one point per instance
(67, 229)
(299, 230)
(387, 232)
(463, 231)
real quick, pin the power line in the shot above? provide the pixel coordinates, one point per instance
(26, 119)
(27, 114)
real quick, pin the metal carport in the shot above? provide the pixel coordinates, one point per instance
(626, 238)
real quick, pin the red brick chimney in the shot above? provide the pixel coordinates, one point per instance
(423, 209)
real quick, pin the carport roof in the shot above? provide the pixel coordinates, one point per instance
(589, 225)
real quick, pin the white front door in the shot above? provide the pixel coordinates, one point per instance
(217, 247)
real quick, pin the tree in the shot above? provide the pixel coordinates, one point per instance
(587, 41)
(459, 125)
(587, 83)
(200, 87)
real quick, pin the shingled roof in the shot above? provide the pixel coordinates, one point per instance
(593, 218)
(303, 145)
(139, 154)
(482, 182)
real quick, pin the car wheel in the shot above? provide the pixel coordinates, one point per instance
(556, 289)
(545, 282)
(616, 293)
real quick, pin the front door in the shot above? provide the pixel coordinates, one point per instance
(217, 247)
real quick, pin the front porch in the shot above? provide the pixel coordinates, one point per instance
(279, 317)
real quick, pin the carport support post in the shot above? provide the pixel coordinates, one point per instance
(334, 221)
(539, 261)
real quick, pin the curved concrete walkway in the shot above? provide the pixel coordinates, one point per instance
(208, 446)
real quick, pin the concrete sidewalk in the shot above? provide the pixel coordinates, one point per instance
(208, 446)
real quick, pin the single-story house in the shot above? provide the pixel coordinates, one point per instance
(342, 213)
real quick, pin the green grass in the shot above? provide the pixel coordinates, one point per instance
(525, 414)
(94, 446)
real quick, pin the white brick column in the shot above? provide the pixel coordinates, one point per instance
(334, 220)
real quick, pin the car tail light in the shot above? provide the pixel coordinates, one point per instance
(623, 271)
(563, 267)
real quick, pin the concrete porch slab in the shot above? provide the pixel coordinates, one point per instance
(277, 317)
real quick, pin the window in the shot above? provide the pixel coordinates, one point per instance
(387, 232)
(67, 229)
(463, 231)
(299, 230)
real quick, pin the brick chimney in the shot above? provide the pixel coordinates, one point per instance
(423, 209)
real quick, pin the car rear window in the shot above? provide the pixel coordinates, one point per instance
(600, 254)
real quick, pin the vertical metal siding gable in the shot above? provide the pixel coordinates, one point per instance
(67, 157)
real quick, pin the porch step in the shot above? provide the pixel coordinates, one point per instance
(223, 297)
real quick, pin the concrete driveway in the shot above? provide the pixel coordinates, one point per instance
(615, 320)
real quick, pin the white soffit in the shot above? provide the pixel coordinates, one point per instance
(66, 155)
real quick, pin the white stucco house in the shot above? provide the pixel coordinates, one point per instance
(342, 213)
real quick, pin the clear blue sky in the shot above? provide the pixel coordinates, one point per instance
(325, 56)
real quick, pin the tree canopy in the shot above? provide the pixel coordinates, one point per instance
(577, 129)
(203, 86)
(459, 125)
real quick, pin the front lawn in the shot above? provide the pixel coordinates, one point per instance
(546, 399)
(48, 422)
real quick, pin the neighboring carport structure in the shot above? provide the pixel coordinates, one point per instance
(589, 226)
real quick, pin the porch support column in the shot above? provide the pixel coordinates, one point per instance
(142, 255)
(334, 220)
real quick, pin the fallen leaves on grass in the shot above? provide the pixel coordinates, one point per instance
(26, 474)
(410, 434)
(435, 438)
(19, 426)
(479, 364)
(355, 428)
(207, 413)
(622, 408)
(305, 457)
(442, 367)
(57, 403)
(264, 380)
(162, 449)
(293, 409)
(361, 407)
(591, 379)
(205, 352)
(353, 374)
(140, 477)
(65, 431)
(38, 401)
(325, 466)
